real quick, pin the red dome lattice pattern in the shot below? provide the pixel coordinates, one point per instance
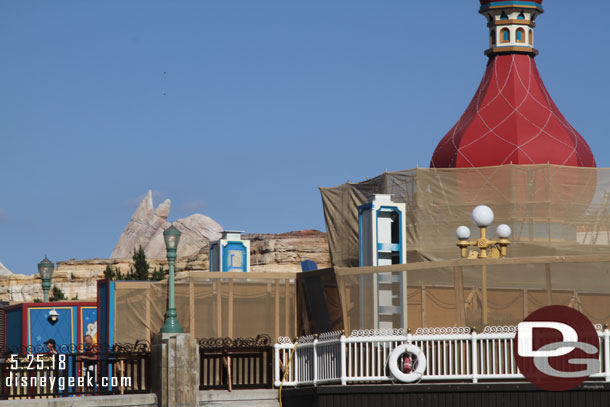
(512, 119)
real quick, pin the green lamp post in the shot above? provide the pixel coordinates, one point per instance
(172, 237)
(45, 269)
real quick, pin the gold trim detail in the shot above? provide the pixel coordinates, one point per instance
(497, 23)
(510, 50)
(513, 7)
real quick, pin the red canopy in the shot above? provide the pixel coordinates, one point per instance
(512, 119)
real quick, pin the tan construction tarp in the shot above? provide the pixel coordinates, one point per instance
(452, 293)
(552, 209)
(209, 305)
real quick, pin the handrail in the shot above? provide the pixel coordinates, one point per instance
(452, 354)
(427, 265)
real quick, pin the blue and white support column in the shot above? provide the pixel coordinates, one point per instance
(382, 229)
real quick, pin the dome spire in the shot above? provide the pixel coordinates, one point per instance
(511, 26)
(512, 118)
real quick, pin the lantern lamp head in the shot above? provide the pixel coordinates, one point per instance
(172, 237)
(503, 231)
(482, 216)
(462, 232)
(46, 268)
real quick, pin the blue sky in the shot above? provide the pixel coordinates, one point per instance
(241, 109)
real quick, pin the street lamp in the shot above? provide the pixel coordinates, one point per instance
(482, 216)
(45, 269)
(172, 238)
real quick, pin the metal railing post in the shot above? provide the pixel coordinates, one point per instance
(315, 360)
(295, 363)
(607, 353)
(276, 364)
(343, 361)
(474, 357)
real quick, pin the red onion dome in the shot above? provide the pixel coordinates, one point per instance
(512, 119)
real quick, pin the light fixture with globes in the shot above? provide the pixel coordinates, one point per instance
(483, 216)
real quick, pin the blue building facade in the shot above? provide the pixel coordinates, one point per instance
(32, 324)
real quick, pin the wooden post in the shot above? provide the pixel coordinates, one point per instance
(404, 288)
(375, 301)
(343, 299)
(277, 309)
(148, 299)
(295, 310)
(423, 306)
(458, 282)
(549, 287)
(549, 219)
(286, 306)
(484, 293)
(525, 313)
(230, 308)
(218, 308)
(192, 306)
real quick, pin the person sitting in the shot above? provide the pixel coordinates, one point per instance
(89, 359)
(51, 346)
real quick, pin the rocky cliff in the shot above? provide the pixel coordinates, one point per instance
(4, 271)
(286, 251)
(146, 229)
(78, 278)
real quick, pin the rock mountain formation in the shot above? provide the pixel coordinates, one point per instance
(4, 271)
(146, 229)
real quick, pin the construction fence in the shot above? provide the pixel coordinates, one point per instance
(464, 292)
(209, 305)
(461, 292)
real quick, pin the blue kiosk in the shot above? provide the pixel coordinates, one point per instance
(230, 253)
(32, 324)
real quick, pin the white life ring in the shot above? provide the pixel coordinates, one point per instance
(421, 363)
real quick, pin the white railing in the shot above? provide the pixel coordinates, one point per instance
(452, 354)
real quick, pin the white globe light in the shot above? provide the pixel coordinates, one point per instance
(462, 232)
(503, 231)
(482, 216)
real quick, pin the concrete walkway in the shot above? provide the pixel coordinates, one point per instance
(218, 398)
(239, 398)
(132, 400)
